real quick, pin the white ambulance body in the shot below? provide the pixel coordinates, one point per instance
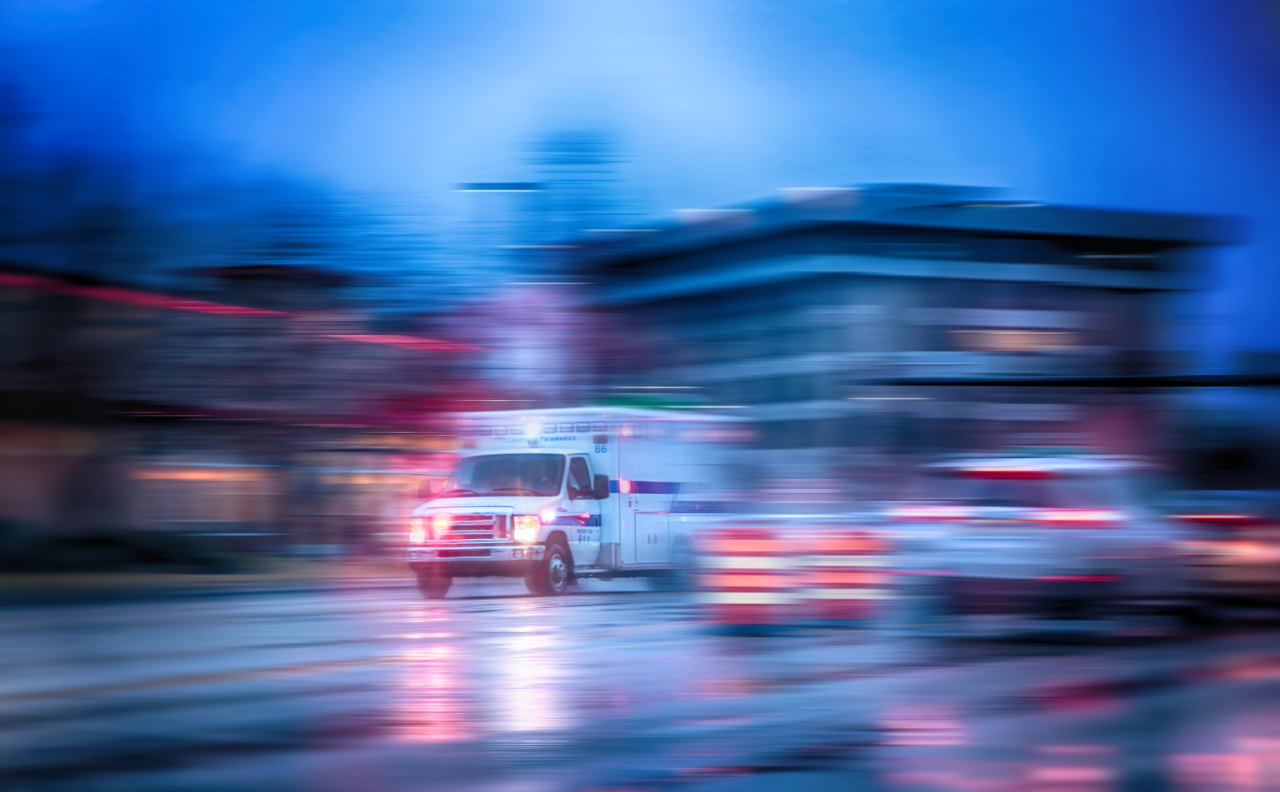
(553, 495)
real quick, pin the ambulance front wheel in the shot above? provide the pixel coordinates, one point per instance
(433, 583)
(552, 575)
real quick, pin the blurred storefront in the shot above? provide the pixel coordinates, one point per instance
(252, 428)
(326, 500)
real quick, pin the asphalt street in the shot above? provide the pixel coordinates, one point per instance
(610, 688)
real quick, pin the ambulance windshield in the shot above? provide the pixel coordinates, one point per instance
(506, 474)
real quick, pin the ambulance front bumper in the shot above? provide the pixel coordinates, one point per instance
(477, 560)
(476, 553)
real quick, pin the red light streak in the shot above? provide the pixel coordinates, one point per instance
(1085, 518)
(405, 342)
(166, 302)
(1007, 473)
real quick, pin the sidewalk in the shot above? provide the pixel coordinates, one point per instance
(273, 576)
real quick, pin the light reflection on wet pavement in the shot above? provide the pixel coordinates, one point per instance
(379, 691)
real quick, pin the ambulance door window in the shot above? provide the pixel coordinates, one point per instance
(580, 480)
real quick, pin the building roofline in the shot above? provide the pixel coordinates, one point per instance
(788, 268)
(913, 206)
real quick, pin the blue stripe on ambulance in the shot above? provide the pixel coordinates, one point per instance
(576, 521)
(648, 487)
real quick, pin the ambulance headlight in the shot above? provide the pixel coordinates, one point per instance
(526, 528)
(417, 531)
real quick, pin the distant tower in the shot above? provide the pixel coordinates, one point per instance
(578, 170)
(500, 221)
(516, 229)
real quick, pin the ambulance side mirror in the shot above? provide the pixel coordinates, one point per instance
(425, 490)
(601, 486)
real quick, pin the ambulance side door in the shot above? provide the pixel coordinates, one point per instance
(583, 527)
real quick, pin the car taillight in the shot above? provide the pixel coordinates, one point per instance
(1225, 520)
(1079, 518)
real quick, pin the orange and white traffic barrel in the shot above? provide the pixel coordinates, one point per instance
(846, 577)
(746, 580)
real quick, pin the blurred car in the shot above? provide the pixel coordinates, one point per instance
(1074, 536)
(1234, 543)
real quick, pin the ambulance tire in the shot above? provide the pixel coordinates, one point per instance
(433, 584)
(553, 574)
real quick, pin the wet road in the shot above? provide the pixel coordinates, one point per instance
(613, 688)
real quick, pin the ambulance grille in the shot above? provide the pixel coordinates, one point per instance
(463, 527)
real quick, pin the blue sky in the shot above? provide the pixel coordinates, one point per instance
(1151, 104)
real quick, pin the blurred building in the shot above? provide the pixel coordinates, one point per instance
(863, 325)
(271, 417)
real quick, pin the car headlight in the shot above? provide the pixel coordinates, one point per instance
(417, 531)
(526, 528)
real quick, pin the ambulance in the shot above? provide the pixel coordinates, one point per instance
(557, 495)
